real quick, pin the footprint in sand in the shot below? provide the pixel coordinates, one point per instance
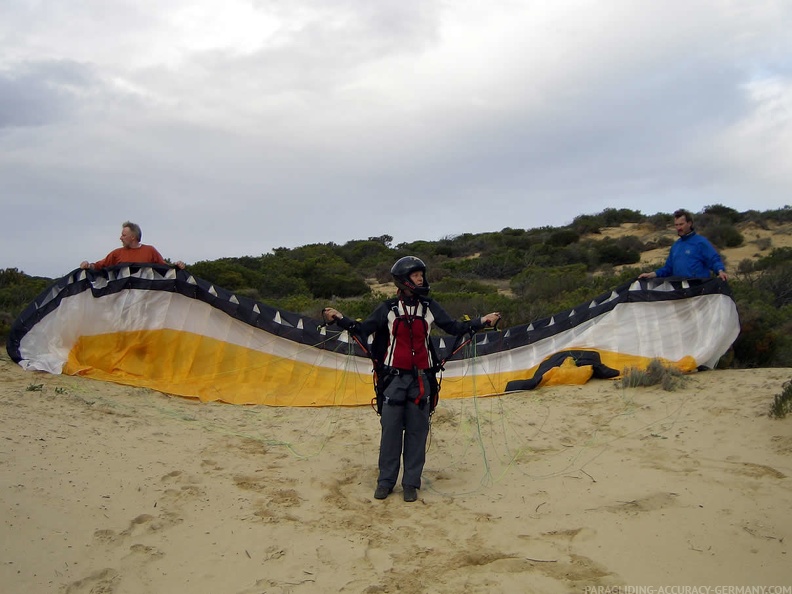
(210, 465)
(644, 504)
(142, 524)
(105, 536)
(258, 484)
(782, 444)
(756, 470)
(184, 486)
(103, 581)
(380, 559)
(145, 551)
(564, 565)
(285, 498)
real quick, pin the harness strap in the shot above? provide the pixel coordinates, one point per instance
(421, 389)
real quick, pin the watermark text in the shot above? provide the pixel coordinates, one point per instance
(687, 590)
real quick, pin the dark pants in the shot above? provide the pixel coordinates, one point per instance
(406, 424)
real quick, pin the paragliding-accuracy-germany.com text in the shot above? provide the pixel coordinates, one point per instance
(687, 590)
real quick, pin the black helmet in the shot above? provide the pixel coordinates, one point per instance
(402, 270)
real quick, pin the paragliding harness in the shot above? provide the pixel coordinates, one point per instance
(429, 380)
(383, 374)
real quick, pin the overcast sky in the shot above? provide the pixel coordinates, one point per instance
(231, 128)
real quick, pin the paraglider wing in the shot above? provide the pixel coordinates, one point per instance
(157, 327)
(686, 322)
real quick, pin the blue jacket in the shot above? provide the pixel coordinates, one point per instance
(693, 256)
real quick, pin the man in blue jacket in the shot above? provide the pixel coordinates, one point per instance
(691, 255)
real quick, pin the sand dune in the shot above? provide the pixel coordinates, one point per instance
(111, 489)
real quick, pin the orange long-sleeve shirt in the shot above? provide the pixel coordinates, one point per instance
(143, 254)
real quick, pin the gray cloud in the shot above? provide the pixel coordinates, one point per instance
(227, 133)
(41, 93)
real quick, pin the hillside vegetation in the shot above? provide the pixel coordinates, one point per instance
(526, 274)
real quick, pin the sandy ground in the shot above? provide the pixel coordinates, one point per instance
(111, 489)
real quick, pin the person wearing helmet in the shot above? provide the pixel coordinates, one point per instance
(408, 366)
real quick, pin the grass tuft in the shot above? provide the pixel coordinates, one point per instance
(668, 378)
(782, 403)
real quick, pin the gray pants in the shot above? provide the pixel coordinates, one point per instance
(403, 423)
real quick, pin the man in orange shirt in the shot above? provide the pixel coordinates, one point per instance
(132, 251)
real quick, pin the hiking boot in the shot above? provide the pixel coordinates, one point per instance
(410, 493)
(381, 492)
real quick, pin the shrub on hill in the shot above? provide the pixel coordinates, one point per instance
(461, 285)
(610, 217)
(502, 263)
(17, 290)
(535, 283)
(778, 283)
(777, 257)
(724, 236)
(723, 213)
(758, 342)
(782, 215)
(625, 250)
(563, 238)
(366, 253)
(660, 221)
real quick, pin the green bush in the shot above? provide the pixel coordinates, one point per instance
(17, 290)
(777, 257)
(513, 239)
(547, 283)
(660, 221)
(618, 252)
(367, 253)
(723, 213)
(6, 320)
(459, 285)
(578, 253)
(757, 343)
(745, 266)
(782, 215)
(563, 238)
(613, 217)
(586, 224)
(502, 264)
(778, 283)
(724, 236)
